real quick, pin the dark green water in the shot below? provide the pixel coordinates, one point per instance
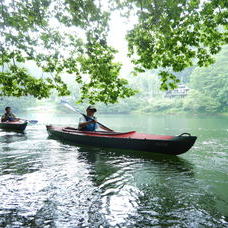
(48, 183)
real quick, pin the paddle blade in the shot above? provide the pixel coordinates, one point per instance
(33, 121)
(30, 121)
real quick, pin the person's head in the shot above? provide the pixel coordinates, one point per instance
(8, 109)
(91, 110)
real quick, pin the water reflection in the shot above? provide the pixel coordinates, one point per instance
(18, 156)
(11, 137)
(149, 189)
(128, 179)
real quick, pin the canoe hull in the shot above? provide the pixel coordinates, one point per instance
(175, 145)
(13, 126)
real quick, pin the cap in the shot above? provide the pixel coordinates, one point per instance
(91, 107)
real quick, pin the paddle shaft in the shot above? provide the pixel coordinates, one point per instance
(75, 110)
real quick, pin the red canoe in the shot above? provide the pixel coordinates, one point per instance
(14, 125)
(126, 140)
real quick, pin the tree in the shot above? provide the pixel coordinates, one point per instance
(176, 34)
(213, 81)
(197, 102)
(67, 36)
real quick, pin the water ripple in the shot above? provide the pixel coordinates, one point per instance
(49, 183)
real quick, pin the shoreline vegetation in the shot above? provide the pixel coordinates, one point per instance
(47, 106)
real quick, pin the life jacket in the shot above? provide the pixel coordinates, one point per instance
(8, 117)
(89, 127)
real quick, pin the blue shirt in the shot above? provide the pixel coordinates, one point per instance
(89, 127)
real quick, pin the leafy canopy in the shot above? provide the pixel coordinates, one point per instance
(68, 36)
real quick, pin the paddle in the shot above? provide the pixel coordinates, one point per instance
(30, 121)
(75, 110)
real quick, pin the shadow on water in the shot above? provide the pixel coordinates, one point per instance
(167, 162)
(129, 180)
(106, 162)
(144, 189)
(12, 136)
(174, 160)
(157, 189)
(132, 182)
(164, 162)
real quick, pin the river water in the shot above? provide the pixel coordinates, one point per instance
(49, 183)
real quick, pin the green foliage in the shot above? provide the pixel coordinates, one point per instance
(30, 31)
(174, 34)
(17, 82)
(213, 81)
(162, 105)
(199, 102)
(169, 36)
(98, 64)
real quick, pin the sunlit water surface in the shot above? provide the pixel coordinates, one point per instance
(49, 183)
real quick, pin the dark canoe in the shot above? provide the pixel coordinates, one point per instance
(14, 126)
(126, 140)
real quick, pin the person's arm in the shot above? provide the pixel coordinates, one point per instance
(82, 122)
(3, 118)
(15, 118)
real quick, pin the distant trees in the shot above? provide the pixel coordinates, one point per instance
(198, 102)
(212, 82)
(18, 104)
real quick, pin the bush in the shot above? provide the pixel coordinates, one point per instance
(162, 105)
(199, 102)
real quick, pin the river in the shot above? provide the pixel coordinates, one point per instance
(49, 183)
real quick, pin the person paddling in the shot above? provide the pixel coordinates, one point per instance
(8, 115)
(88, 122)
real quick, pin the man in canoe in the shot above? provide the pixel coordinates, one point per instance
(8, 115)
(88, 122)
